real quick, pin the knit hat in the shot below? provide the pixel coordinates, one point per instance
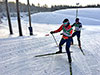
(77, 19)
(65, 20)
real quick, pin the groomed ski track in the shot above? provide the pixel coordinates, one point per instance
(17, 57)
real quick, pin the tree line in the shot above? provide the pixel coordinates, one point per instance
(23, 7)
(38, 8)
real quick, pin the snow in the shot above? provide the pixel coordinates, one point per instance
(86, 15)
(17, 54)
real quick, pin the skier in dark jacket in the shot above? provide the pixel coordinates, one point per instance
(67, 34)
(77, 31)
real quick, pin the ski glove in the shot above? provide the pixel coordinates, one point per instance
(52, 32)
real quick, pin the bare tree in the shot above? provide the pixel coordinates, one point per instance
(8, 16)
(30, 26)
(18, 17)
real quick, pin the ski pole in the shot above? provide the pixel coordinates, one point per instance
(55, 40)
(82, 51)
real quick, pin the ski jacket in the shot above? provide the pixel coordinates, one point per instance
(78, 26)
(68, 30)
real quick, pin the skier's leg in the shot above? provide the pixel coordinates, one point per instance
(72, 42)
(62, 41)
(78, 38)
(68, 41)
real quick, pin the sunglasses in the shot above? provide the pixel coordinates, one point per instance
(65, 23)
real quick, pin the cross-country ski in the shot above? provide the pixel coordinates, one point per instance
(48, 54)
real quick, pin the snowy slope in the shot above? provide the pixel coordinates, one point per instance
(17, 54)
(86, 15)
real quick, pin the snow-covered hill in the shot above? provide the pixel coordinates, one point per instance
(86, 15)
(17, 54)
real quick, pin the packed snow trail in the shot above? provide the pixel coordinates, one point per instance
(17, 57)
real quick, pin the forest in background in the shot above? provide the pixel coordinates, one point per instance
(39, 8)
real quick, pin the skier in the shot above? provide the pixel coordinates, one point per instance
(77, 32)
(67, 33)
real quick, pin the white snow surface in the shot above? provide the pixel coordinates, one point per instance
(88, 16)
(17, 54)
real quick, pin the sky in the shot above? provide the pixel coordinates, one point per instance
(60, 2)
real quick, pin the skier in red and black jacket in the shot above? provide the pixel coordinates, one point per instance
(66, 37)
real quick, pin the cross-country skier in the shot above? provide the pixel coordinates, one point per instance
(77, 31)
(66, 37)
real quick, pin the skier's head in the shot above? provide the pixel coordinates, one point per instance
(77, 20)
(66, 22)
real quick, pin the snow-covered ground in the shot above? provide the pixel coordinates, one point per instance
(17, 54)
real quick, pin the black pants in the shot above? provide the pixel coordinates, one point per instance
(67, 41)
(76, 33)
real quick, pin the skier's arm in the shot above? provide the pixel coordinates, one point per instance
(80, 26)
(59, 29)
(73, 25)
